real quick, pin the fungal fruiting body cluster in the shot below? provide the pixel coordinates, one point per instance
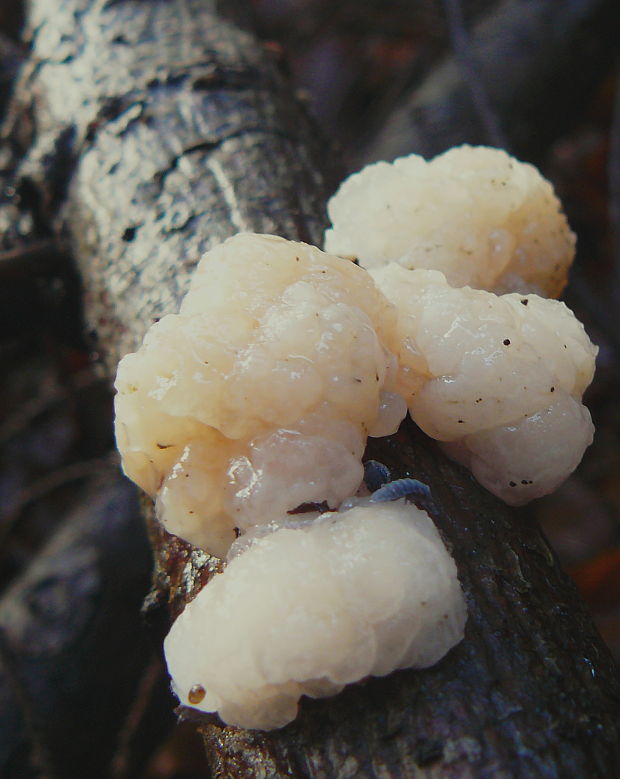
(310, 608)
(257, 398)
(498, 379)
(476, 214)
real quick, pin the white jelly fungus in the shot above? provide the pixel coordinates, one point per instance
(305, 611)
(478, 215)
(498, 377)
(256, 399)
(259, 394)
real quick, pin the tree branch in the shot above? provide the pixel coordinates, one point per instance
(142, 168)
(64, 624)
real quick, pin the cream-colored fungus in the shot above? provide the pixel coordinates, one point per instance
(259, 394)
(305, 611)
(498, 377)
(478, 215)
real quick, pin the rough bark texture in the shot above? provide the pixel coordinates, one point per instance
(180, 132)
(158, 129)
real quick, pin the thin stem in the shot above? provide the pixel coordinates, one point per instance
(463, 54)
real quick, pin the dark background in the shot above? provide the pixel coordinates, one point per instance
(355, 62)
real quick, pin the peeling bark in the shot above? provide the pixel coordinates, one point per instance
(159, 129)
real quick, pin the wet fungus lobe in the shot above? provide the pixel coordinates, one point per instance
(476, 216)
(246, 416)
(263, 387)
(506, 407)
(479, 216)
(311, 608)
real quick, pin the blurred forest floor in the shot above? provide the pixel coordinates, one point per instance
(352, 61)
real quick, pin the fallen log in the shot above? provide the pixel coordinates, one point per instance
(158, 129)
(72, 649)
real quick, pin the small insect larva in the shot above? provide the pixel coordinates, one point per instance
(376, 474)
(399, 489)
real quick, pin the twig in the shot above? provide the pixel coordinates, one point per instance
(36, 259)
(122, 764)
(47, 484)
(31, 409)
(516, 698)
(41, 754)
(613, 173)
(539, 60)
(463, 54)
